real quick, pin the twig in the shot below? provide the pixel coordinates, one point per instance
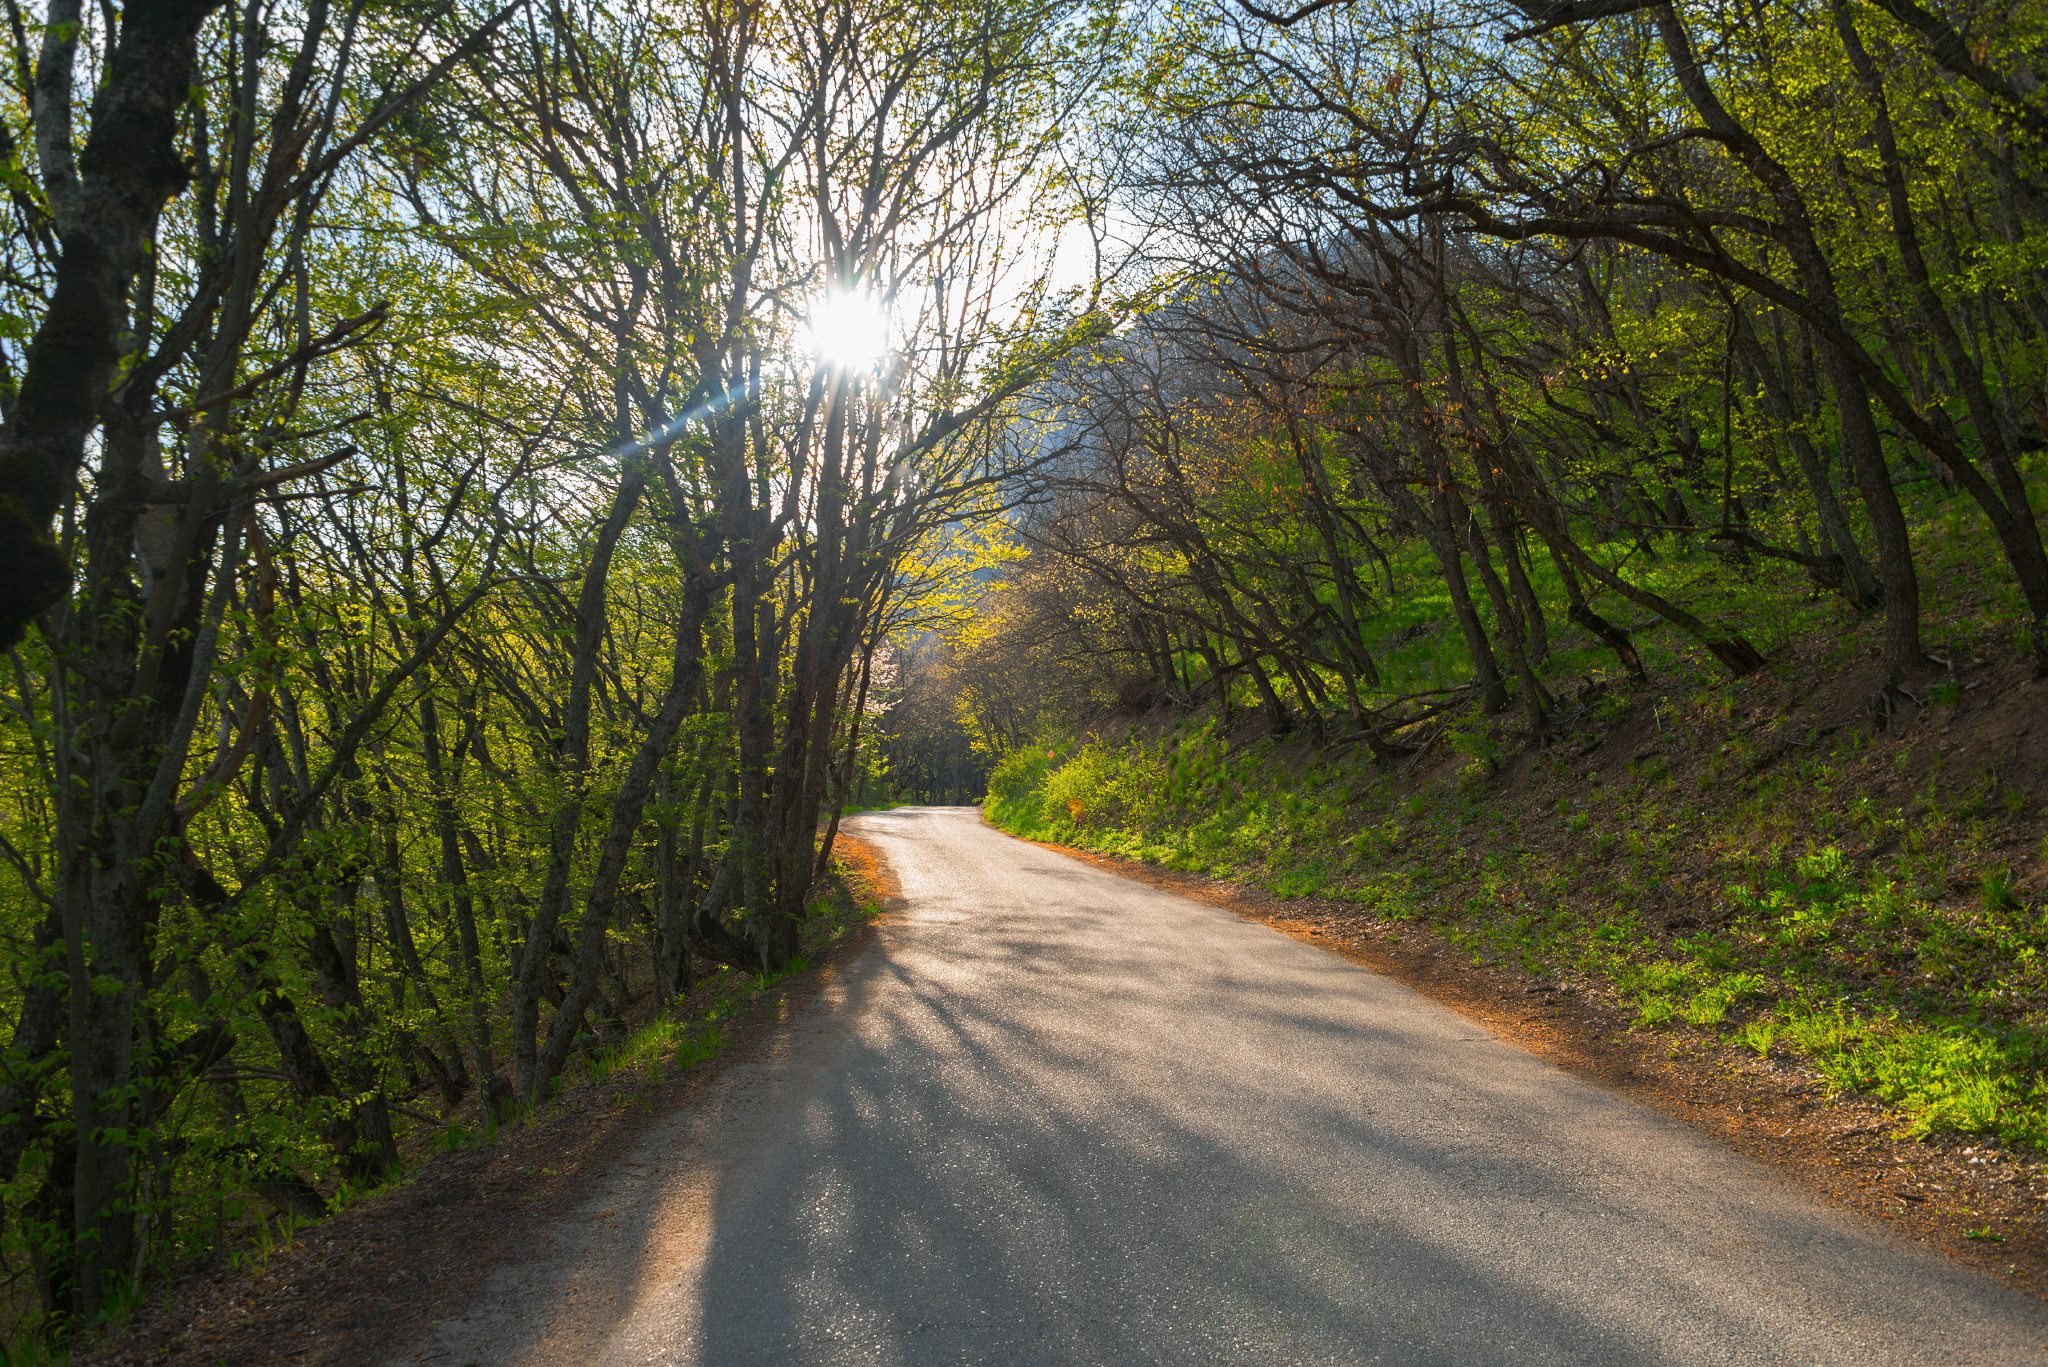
(437, 1121)
(28, 879)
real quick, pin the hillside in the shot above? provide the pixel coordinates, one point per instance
(1745, 885)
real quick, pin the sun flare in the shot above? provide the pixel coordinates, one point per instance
(848, 330)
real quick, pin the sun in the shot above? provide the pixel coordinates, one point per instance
(848, 330)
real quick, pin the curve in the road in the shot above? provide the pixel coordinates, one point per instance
(1054, 1116)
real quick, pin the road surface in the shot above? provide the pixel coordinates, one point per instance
(1055, 1116)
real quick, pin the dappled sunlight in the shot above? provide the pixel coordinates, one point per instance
(1079, 1119)
(1054, 1116)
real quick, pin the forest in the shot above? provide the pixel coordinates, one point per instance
(483, 490)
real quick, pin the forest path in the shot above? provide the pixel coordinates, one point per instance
(1056, 1116)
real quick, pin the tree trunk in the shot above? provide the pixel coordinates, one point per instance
(572, 766)
(629, 805)
(446, 827)
(1443, 539)
(1860, 442)
(1518, 658)
(1858, 584)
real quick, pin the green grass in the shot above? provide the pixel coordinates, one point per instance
(648, 1051)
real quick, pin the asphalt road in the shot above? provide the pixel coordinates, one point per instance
(1054, 1116)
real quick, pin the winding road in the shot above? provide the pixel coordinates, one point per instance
(1052, 1116)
